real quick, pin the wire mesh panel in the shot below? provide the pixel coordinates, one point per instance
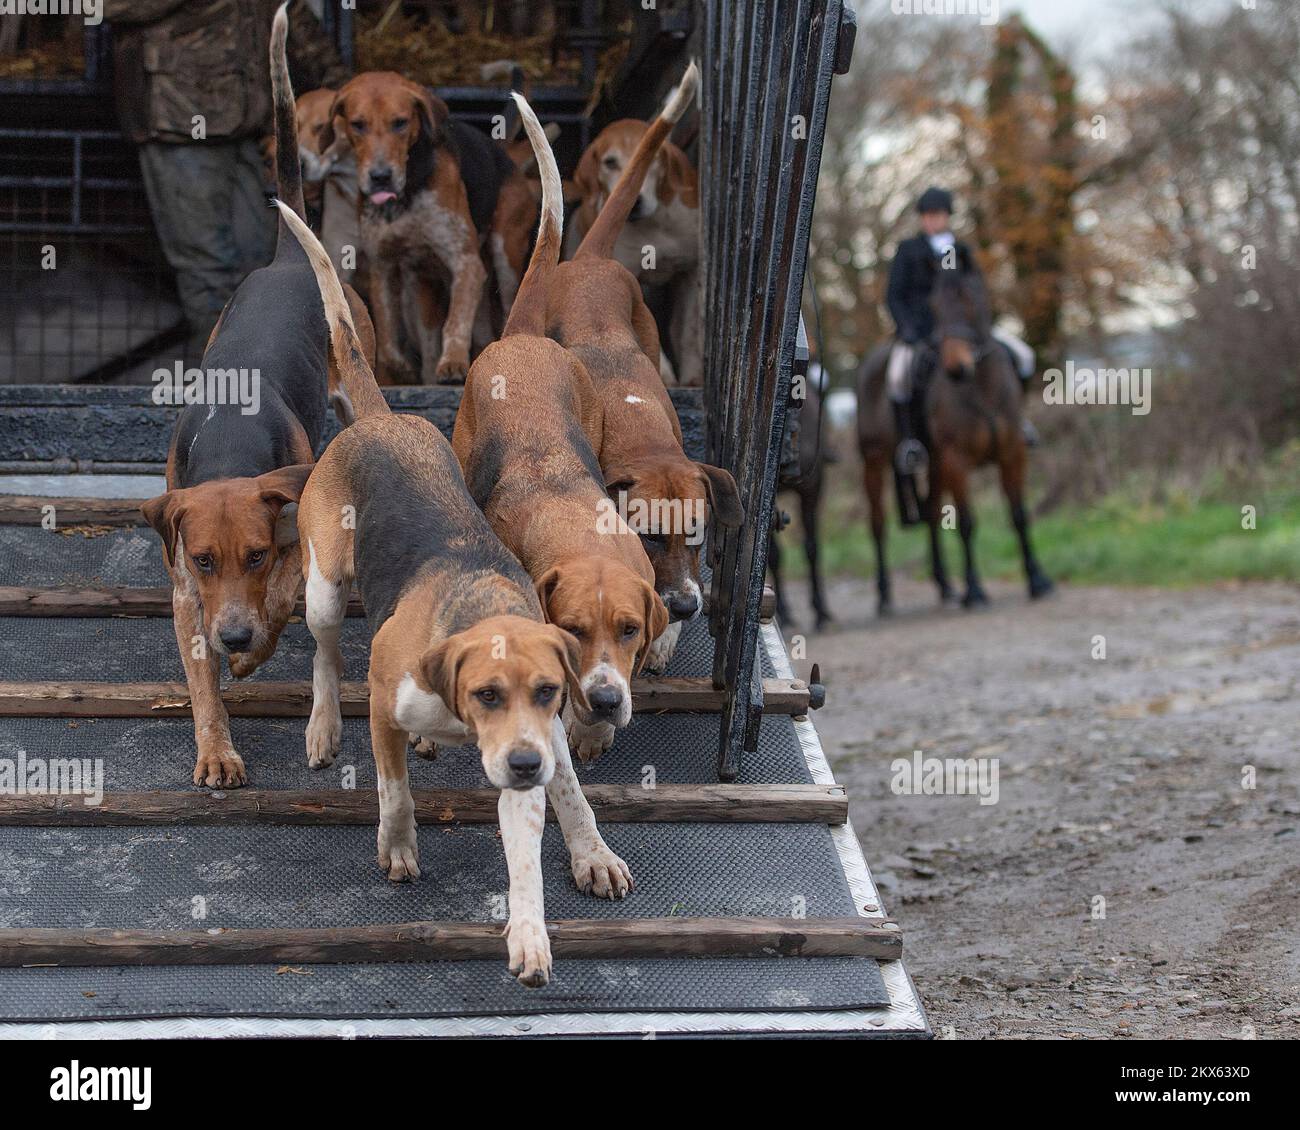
(88, 294)
(90, 297)
(768, 68)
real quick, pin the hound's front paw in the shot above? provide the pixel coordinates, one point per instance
(662, 650)
(601, 873)
(399, 854)
(220, 769)
(394, 368)
(452, 368)
(243, 664)
(530, 951)
(422, 747)
(588, 742)
(324, 735)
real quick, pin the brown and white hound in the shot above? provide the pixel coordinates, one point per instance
(526, 435)
(660, 243)
(596, 311)
(438, 200)
(234, 478)
(460, 651)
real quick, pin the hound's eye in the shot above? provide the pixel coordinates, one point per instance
(358, 125)
(630, 630)
(256, 558)
(545, 694)
(487, 696)
(573, 630)
(611, 162)
(400, 124)
(203, 561)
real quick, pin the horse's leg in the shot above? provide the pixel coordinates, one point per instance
(1012, 469)
(774, 564)
(809, 503)
(933, 513)
(958, 477)
(873, 481)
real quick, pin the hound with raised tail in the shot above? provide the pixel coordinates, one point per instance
(234, 475)
(596, 311)
(660, 243)
(526, 435)
(460, 651)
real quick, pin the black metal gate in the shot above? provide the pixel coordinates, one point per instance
(767, 76)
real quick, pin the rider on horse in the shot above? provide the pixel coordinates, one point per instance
(911, 283)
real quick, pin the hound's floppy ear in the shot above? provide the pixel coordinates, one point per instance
(281, 489)
(164, 514)
(679, 179)
(724, 498)
(440, 666)
(432, 110)
(335, 127)
(570, 652)
(587, 175)
(656, 620)
(545, 587)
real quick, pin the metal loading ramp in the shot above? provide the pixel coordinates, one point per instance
(759, 866)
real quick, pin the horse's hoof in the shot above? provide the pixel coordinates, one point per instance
(975, 598)
(823, 622)
(947, 597)
(1040, 585)
(885, 609)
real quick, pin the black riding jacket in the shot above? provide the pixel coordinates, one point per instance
(911, 281)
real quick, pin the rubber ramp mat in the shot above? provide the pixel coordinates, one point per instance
(158, 753)
(136, 649)
(30, 555)
(450, 988)
(313, 877)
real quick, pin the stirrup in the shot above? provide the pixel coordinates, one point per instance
(910, 457)
(1030, 433)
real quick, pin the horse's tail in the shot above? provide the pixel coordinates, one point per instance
(599, 241)
(355, 375)
(528, 313)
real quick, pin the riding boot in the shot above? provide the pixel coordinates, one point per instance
(1027, 428)
(909, 455)
(906, 466)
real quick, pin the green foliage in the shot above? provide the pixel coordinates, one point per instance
(1137, 535)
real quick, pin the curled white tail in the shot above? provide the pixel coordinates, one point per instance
(528, 315)
(355, 375)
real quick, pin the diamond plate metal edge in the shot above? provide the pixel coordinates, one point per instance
(905, 1012)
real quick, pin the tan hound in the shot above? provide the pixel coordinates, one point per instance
(460, 651)
(526, 435)
(435, 196)
(596, 312)
(660, 244)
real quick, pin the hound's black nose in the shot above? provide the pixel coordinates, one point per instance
(236, 639)
(635, 214)
(605, 699)
(524, 763)
(380, 179)
(682, 606)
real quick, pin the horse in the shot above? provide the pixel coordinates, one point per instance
(971, 417)
(803, 462)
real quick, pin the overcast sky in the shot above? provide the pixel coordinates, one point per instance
(1094, 26)
(1086, 29)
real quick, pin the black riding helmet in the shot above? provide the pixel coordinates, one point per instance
(935, 200)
